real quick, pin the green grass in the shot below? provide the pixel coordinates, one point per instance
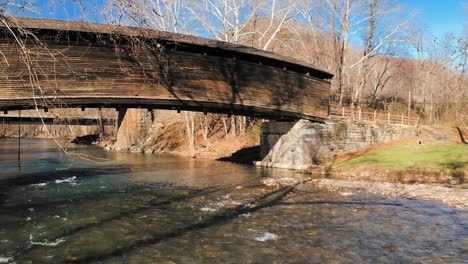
(412, 156)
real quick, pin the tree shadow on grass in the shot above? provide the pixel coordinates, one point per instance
(457, 170)
(455, 165)
(462, 138)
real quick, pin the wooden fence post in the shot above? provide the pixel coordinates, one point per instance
(388, 118)
(375, 116)
(360, 114)
(343, 110)
(402, 119)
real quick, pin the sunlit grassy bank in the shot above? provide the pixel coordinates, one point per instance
(412, 155)
(409, 162)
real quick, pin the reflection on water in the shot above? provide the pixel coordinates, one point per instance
(139, 208)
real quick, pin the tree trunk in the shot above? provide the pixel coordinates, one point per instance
(233, 126)
(190, 130)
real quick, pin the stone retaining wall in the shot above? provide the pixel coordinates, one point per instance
(304, 144)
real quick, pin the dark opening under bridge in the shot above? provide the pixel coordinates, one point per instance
(50, 63)
(52, 120)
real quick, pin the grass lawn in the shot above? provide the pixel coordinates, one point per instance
(430, 155)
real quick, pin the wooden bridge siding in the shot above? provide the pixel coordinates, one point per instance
(94, 72)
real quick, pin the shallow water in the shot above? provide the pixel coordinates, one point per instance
(136, 208)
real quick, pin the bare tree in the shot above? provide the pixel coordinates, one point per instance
(340, 20)
(346, 20)
(190, 130)
(224, 20)
(382, 30)
(164, 15)
(278, 14)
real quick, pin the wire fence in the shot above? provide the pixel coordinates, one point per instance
(375, 116)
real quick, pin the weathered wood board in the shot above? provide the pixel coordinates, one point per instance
(79, 64)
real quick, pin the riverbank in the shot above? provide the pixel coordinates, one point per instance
(436, 169)
(213, 136)
(433, 166)
(452, 195)
(423, 160)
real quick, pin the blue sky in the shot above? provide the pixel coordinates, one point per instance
(440, 17)
(63, 9)
(434, 17)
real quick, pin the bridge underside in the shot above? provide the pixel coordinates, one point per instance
(73, 64)
(9, 120)
(153, 104)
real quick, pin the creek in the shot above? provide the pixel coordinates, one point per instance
(137, 208)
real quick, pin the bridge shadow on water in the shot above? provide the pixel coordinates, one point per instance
(272, 198)
(259, 203)
(159, 202)
(53, 175)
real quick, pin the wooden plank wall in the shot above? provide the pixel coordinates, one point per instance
(81, 72)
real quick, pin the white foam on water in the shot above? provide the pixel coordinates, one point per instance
(69, 180)
(47, 243)
(347, 193)
(208, 209)
(38, 185)
(28, 219)
(246, 205)
(266, 236)
(5, 259)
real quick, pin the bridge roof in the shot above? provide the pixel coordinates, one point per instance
(94, 28)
